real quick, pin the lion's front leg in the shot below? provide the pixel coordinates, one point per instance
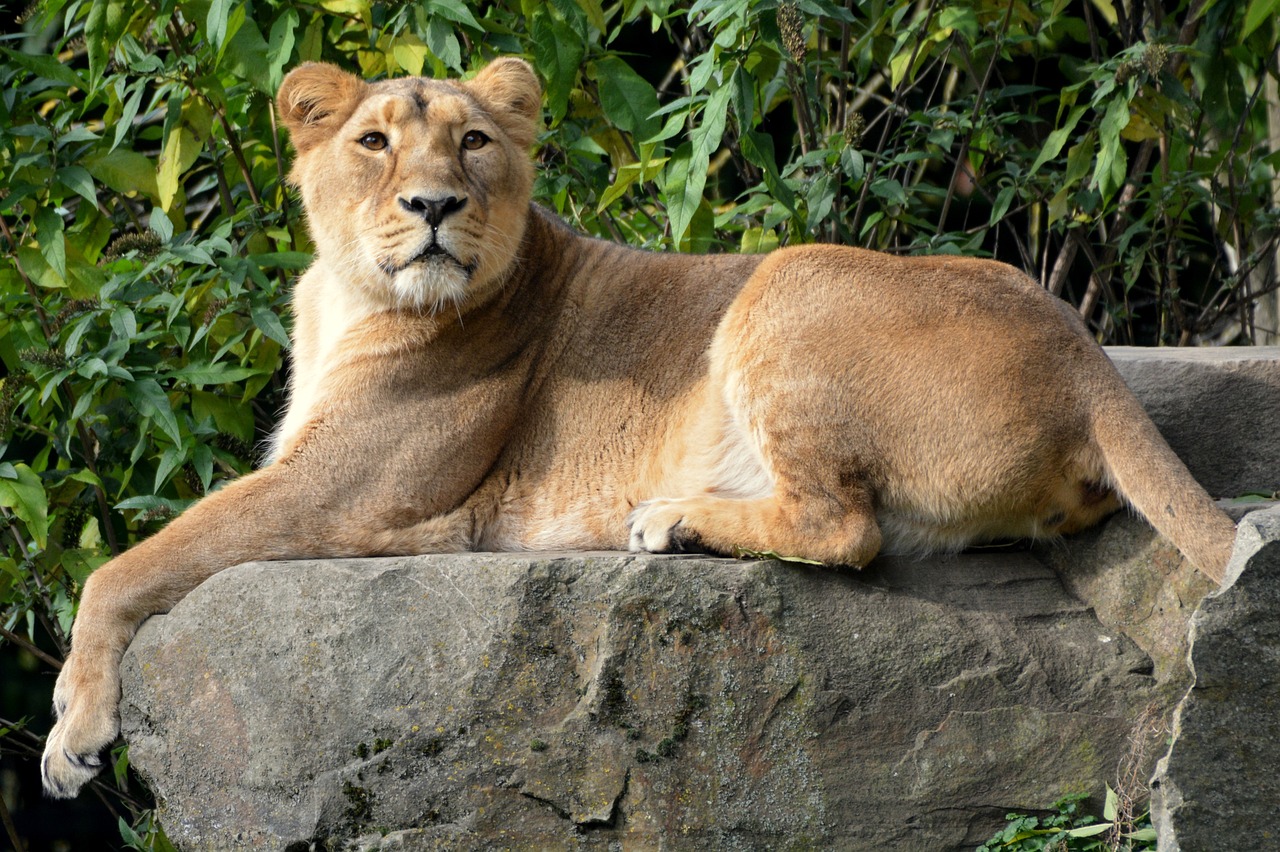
(116, 599)
(249, 519)
(276, 513)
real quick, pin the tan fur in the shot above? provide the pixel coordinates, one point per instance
(534, 389)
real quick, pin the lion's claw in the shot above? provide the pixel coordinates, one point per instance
(64, 774)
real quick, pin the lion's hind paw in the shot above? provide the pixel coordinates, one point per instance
(660, 526)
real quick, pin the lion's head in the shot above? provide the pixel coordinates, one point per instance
(416, 190)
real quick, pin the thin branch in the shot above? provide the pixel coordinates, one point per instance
(31, 648)
(1062, 264)
(9, 828)
(962, 157)
(898, 94)
(37, 741)
(233, 141)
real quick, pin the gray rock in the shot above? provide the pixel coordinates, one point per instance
(1217, 407)
(572, 701)
(1138, 584)
(1217, 787)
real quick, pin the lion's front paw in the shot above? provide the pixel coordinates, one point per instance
(660, 526)
(86, 703)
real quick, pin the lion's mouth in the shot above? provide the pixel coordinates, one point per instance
(432, 253)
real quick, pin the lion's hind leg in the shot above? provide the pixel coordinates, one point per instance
(797, 525)
(763, 488)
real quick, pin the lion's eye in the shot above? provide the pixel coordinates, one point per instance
(374, 141)
(473, 140)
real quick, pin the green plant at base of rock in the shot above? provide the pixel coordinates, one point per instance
(1069, 830)
(146, 835)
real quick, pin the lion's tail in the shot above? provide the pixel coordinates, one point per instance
(1155, 482)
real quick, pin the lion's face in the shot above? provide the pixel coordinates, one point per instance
(416, 190)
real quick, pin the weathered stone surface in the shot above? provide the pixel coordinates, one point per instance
(1138, 584)
(1217, 788)
(1217, 407)
(484, 701)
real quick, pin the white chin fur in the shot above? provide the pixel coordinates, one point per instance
(430, 287)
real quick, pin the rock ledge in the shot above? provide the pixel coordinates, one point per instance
(565, 701)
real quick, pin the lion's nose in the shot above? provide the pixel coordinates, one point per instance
(432, 209)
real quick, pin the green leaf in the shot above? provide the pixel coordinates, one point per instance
(686, 176)
(125, 171)
(97, 43)
(202, 461)
(247, 52)
(628, 101)
(1001, 205)
(1258, 13)
(890, 190)
(758, 241)
(216, 23)
(758, 148)
(129, 836)
(127, 114)
(627, 176)
(199, 375)
(280, 50)
(86, 477)
(710, 130)
(1111, 806)
(170, 460)
(410, 53)
(124, 322)
(269, 324)
(53, 245)
(22, 491)
(1057, 139)
(81, 563)
(228, 415)
(92, 368)
(558, 53)
(686, 173)
(161, 224)
(744, 553)
(312, 45)
(45, 66)
(820, 199)
(443, 42)
(150, 503)
(150, 400)
(453, 10)
(1112, 163)
(181, 150)
(594, 12)
(283, 259)
(1089, 830)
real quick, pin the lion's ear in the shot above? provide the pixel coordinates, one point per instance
(315, 99)
(510, 92)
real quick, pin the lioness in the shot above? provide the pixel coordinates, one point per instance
(470, 374)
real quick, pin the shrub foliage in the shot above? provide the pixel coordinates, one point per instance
(1123, 153)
